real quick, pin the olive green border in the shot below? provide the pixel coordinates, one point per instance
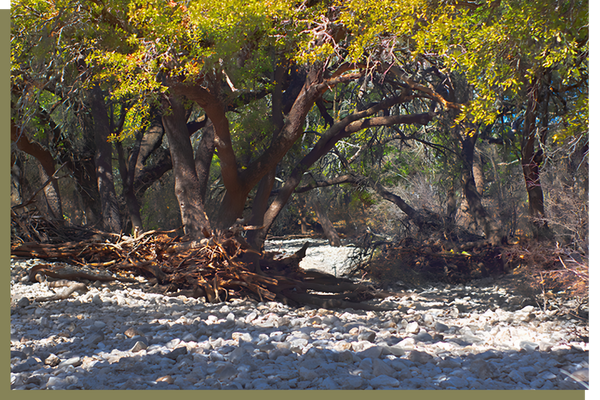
(161, 395)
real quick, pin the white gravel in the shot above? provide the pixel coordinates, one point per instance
(117, 336)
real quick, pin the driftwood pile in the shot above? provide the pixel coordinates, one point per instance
(217, 268)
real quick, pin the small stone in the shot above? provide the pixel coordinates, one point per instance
(371, 352)
(350, 382)
(99, 324)
(250, 317)
(449, 363)
(18, 354)
(381, 368)
(23, 302)
(413, 328)
(454, 382)
(176, 353)
(138, 346)
(54, 382)
(423, 337)
(395, 350)
(328, 384)
(242, 337)
(52, 360)
(74, 361)
(131, 332)
(307, 374)
(225, 371)
(384, 381)
(438, 326)
(517, 376)
(368, 336)
(428, 319)
(420, 357)
(94, 338)
(528, 346)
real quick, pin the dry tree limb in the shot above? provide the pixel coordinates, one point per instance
(74, 287)
(212, 268)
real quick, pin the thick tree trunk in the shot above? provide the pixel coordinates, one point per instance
(103, 160)
(187, 184)
(239, 184)
(259, 207)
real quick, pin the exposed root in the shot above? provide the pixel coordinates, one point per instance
(216, 268)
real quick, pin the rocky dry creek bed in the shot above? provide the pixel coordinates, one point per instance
(120, 336)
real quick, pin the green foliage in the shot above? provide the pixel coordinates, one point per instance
(492, 51)
(502, 47)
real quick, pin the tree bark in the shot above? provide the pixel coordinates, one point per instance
(239, 184)
(127, 170)
(338, 131)
(187, 184)
(46, 162)
(476, 208)
(204, 154)
(531, 160)
(328, 228)
(261, 199)
(103, 160)
(302, 209)
(478, 175)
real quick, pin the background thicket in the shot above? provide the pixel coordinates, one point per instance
(461, 119)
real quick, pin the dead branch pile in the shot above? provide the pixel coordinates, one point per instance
(215, 268)
(417, 262)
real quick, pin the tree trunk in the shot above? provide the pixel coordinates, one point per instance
(476, 209)
(478, 175)
(187, 184)
(127, 170)
(302, 210)
(451, 206)
(338, 131)
(531, 161)
(103, 160)
(204, 154)
(328, 228)
(51, 195)
(16, 178)
(83, 168)
(46, 163)
(239, 184)
(263, 192)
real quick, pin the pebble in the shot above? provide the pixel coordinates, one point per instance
(119, 336)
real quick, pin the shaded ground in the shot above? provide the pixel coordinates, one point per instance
(223, 266)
